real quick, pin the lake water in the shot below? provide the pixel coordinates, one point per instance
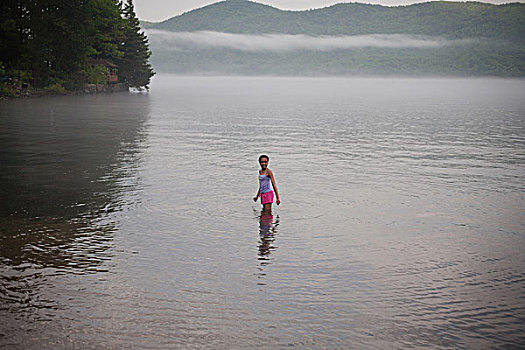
(127, 220)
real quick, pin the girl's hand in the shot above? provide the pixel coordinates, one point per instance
(255, 198)
(278, 201)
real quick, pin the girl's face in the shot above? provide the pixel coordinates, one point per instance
(264, 163)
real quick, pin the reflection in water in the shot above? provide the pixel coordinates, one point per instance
(66, 164)
(267, 231)
(123, 231)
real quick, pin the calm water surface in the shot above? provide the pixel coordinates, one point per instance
(127, 220)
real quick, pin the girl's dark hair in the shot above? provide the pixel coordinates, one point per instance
(264, 156)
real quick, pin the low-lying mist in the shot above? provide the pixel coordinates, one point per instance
(182, 41)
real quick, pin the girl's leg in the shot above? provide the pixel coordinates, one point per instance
(267, 207)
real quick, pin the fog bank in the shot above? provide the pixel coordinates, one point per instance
(182, 41)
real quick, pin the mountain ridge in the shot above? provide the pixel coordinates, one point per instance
(452, 20)
(489, 40)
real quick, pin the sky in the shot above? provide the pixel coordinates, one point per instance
(159, 10)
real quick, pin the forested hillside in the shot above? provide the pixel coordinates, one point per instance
(58, 45)
(452, 20)
(483, 39)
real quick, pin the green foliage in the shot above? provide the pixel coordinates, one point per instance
(497, 33)
(54, 39)
(96, 74)
(134, 67)
(56, 89)
(24, 76)
(13, 81)
(461, 60)
(106, 30)
(7, 90)
(453, 20)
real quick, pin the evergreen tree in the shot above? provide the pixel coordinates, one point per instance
(106, 29)
(12, 36)
(62, 39)
(134, 67)
(50, 42)
(43, 38)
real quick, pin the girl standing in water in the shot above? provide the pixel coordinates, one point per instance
(265, 190)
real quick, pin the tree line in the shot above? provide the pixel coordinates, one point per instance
(472, 60)
(451, 20)
(494, 42)
(53, 43)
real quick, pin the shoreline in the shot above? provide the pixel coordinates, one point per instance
(88, 89)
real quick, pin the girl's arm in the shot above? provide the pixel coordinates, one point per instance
(257, 195)
(278, 201)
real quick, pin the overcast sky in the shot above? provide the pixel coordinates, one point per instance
(159, 10)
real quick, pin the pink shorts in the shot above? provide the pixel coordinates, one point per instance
(267, 197)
